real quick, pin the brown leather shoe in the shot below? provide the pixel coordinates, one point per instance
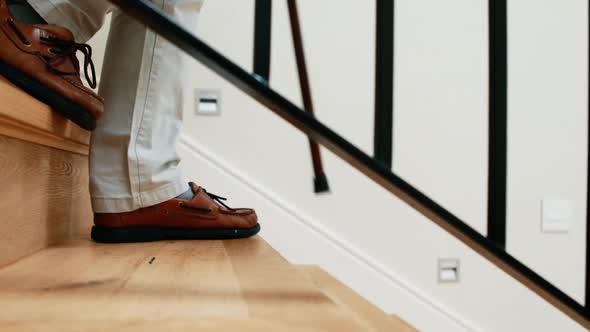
(41, 59)
(203, 217)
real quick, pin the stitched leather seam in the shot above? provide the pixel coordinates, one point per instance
(234, 213)
(83, 89)
(168, 212)
(16, 44)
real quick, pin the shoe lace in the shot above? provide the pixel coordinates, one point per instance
(68, 48)
(218, 199)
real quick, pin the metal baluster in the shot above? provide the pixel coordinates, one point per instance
(497, 162)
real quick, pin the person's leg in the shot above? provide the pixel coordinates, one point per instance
(133, 159)
(133, 162)
(83, 17)
(134, 176)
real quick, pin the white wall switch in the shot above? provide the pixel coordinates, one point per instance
(556, 215)
(448, 270)
(208, 102)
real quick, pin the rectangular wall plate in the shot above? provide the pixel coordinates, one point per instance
(448, 270)
(556, 215)
(207, 102)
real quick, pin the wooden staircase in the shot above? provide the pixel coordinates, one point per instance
(54, 278)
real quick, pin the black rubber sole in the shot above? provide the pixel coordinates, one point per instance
(57, 102)
(147, 234)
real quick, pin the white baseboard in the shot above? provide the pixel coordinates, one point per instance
(303, 241)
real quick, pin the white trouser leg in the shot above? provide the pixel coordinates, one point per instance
(133, 159)
(83, 17)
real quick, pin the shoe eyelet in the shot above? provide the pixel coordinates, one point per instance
(50, 51)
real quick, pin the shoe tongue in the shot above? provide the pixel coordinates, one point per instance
(200, 196)
(201, 199)
(56, 31)
(194, 187)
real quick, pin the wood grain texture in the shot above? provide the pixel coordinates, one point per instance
(44, 197)
(24, 117)
(367, 312)
(273, 288)
(240, 285)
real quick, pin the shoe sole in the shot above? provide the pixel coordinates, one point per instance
(57, 102)
(148, 234)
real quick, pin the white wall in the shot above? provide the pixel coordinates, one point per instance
(440, 132)
(359, 232)
(548, 121)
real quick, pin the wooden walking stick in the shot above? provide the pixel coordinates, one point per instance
(320, 181)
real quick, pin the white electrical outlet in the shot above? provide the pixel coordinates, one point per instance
(556, 215)
(208, 102)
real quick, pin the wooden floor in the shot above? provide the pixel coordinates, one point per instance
(366, 312)
(165, 286)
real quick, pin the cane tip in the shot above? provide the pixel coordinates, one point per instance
(321, 184)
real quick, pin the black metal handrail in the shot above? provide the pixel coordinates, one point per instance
(258, 89)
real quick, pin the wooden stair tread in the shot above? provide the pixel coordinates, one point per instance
(241, 283)
(377, 319)
(200, 324)
(26, 118)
